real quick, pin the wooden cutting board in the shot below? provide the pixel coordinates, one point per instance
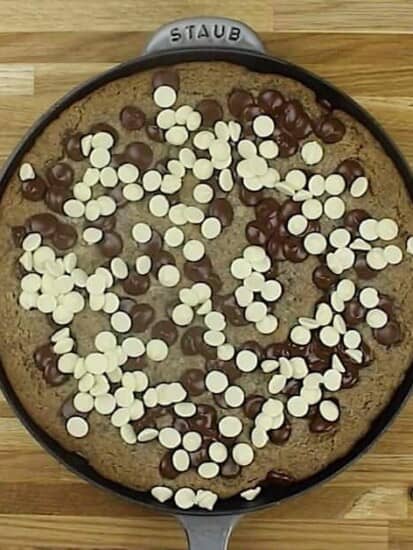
(363, 46)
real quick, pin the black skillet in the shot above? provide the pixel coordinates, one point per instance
(206, 39)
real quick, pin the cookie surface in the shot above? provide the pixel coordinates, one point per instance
(293, 220)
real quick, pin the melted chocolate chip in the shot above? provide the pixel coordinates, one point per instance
(205, 420)
(18, 232)
(64, 237)
(105, 223)
(104, 127)
(389, 335)
(267, 208)
(351, 376)
(46, 224)
(353, 219)
(250, 198)
(294, 250)
(34, 190)
(254, 346)
(132, 118)
(53, 376)
(386, 304)
(155, 133)
(363, 270)
(323, 278)
(73, 146)
(210, 110)
(117, 195)
(282, 435)
(252, 405)
(193, 381)
(136, 284)
(318, 424)
(140, 154)
(230, 469)
(221, 209)
(199, 456)
(294, 120)
(256, 233)
(228, 305)
(271, 101)
(56, 197)
(165, 330)
(111, 245)
(350, 169)
(228, 367)
(330, 129)
(127, 305)
(165, 77)
(60, 175)
(67, 410)
(238, 100)
(153, 246)
(275, 248)
(292, 387)
(287, 143)
(250, 112)
(354, 313)
(198, 271)
(166, 467)
(162, 258)
(278, 478)
(192, 340)
(142, 316)
(44, 356)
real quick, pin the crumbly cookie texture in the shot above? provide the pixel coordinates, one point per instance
(205, 281)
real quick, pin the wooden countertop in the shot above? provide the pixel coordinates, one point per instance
(363, 46)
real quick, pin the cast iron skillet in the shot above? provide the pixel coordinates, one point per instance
(195, 40)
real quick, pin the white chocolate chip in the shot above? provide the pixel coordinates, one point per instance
(77, 426)
(243, 454)
(169, 275)
(157, 349)
(216, 381)
(376, 318)
(246, 360)
(211, 228)
(263, 126)
(312, 209)
(185, 497)
(300, 335)
(26, 172)
(359, 187)
(368, 229)
(230, 426)
(393, 254)
(297, 406)
(387, 229)
(315, 243)
(193, 250)
(169, 438)
(164, 96)
(191, 441)
(334, 208)
(182, 315)
(311, 152)
(329, 410)
(335, 184)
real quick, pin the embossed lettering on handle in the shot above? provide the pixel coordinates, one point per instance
(204, 32)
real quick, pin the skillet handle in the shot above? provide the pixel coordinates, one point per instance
(208, 533)
(204, 32)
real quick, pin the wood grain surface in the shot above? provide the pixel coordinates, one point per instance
(363, 46)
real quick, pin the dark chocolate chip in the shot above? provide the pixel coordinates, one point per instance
(132, 118)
